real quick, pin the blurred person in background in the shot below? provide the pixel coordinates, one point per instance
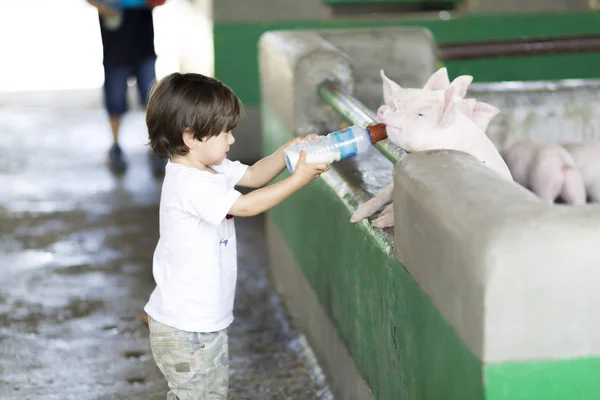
(128, 51)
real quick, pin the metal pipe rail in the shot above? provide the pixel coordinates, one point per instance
(355, 112)
(519, 47)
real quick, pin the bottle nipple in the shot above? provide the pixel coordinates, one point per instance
(377, 132)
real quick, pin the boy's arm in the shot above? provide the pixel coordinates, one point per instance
(264, 171)
(267, 169)
(263, 199)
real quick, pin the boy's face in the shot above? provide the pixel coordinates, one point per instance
(213, 150)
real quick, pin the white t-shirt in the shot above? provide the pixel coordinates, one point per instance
(195, 261)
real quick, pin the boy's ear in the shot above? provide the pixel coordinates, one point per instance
(188, 139)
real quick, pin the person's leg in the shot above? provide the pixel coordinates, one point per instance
(115, 102)
(146, 76)
(115, 126)
(196, 365)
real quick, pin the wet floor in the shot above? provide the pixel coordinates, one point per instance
(76, 246)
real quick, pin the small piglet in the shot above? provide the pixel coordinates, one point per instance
(435, 117)
(426, 123)
(587, 158)
(547, 169)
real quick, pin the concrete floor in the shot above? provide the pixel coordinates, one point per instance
(76, 246)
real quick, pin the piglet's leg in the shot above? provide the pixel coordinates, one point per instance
(386, 218)
(373, 205)
(593, 192)
(547, 190)
(573, 191)
(546, 179)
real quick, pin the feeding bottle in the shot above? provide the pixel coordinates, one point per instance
(336, 146)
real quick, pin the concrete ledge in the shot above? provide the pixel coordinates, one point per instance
(307, 313)
(292, 64)
(518, 279)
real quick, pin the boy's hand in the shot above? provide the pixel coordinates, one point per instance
(306, 172)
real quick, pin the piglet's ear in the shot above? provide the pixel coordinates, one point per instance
(390, 88)
(438, 81)
(447, 113)
(482, 114)
(461, 84)
(466, 106)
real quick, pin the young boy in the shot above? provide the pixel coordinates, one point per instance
(189, 119)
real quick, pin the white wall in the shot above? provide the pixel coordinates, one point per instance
(56, 45)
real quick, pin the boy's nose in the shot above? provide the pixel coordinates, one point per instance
(231, 139)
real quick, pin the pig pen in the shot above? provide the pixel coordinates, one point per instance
(481, 290)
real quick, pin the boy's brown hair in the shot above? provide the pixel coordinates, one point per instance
(188, 102)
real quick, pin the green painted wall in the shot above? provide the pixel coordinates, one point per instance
(370, 2)
(575, 379)
(235, 46)
(399, 341)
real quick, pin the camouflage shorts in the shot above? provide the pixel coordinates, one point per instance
(196, 365)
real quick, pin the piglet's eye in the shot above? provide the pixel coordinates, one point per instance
(421, 115)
